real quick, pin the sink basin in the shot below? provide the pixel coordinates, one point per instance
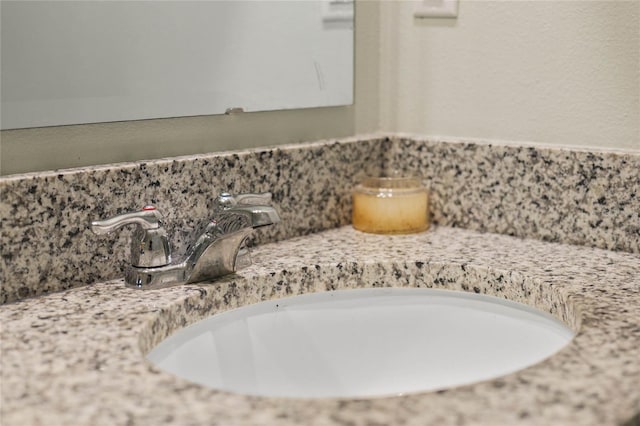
(361, 343)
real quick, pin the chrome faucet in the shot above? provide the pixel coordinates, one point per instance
(218, 247)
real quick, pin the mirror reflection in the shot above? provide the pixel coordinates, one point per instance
(69, 62)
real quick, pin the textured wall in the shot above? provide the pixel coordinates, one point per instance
(552, 72)
(561, 72)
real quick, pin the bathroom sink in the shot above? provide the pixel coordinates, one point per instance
(361, 343)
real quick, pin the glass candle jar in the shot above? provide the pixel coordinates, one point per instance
(390, 205)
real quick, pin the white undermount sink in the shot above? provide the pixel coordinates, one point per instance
(361, 343)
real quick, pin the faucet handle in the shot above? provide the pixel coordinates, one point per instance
(149, 243)
(261, 198)
(147, 218)
(226, 200)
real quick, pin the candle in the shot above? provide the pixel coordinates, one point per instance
(390, 206)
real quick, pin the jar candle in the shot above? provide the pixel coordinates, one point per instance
(390, 205)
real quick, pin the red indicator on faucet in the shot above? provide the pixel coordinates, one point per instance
(147, 208)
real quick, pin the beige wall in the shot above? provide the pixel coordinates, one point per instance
(559, 72)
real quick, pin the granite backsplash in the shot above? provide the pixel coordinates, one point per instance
(47, 245)
(567, 195)
(554, 194)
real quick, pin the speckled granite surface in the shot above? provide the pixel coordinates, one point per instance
(546, 193)
(76, 357)
(567, 195)
(47, 245)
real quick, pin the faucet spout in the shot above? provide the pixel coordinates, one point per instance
(219, 257)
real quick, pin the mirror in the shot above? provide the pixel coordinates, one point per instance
(70, 62)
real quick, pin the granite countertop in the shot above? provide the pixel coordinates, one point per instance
(77, 356)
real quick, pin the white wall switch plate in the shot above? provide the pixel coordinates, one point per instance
(437, 9)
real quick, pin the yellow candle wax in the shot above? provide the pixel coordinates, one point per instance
(390, 206)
